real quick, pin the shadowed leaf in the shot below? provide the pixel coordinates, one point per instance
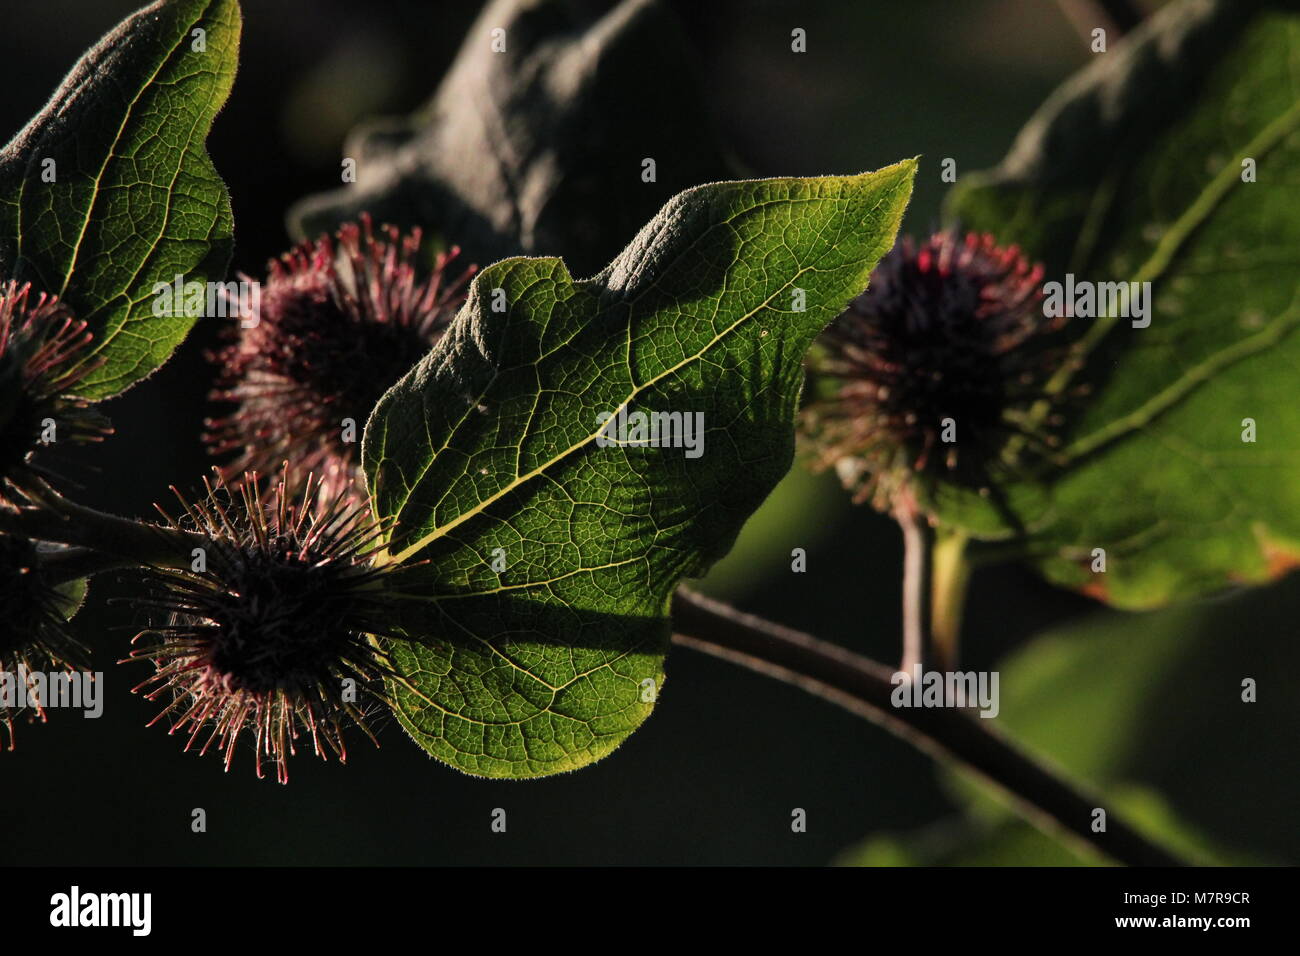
(522, 149)
(1134, 171)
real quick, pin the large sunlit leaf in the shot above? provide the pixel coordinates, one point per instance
(544, 562)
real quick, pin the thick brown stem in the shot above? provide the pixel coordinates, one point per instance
(867, 688)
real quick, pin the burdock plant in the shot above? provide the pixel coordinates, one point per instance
(339, 320)
(271, 630)
(35, 638)
(44, 354)
(948, 330)
(413, 514)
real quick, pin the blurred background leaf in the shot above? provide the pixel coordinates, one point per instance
(535, 141)
(1133, 171)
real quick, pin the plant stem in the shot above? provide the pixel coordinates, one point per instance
(918, 541)
(866, 687)
(101, 541)
(950, 574)
(72, 563)
(135, 542)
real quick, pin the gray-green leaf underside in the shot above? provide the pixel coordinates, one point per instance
(135, 199)
(486, 456)
(1133, 172)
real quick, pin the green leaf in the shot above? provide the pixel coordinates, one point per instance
(487, 452)
(1010, 841)
(135, 199)
(1133, 172)
(520, 149)
(72, 596)
(960, 841)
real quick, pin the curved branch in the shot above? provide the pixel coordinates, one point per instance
(865, 687)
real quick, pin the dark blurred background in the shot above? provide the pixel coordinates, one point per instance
(713, 776)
